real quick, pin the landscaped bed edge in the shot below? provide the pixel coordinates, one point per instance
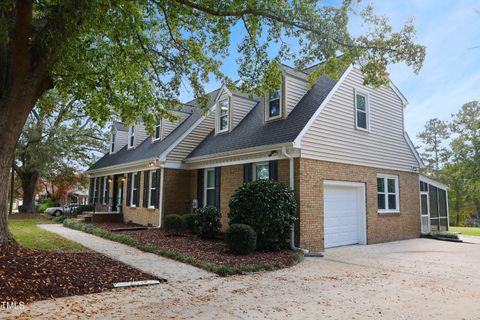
(221, 270)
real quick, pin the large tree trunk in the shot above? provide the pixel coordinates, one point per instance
(29, 186)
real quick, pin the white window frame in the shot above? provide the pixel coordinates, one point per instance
(205, 184)
(159, 126)
(112, 142)
(150, 189)
(131, 134)
(254, 169)
(280, 105)
(219, 115)
(132, 189)
(105, 181)
(358, 92)
(385, 178)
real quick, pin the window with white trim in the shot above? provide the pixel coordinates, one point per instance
(388, 195)
(131, 136)
(105, 190)
(112, 143)
(209, 193)
(361, 111)
(95, 194)
(152, 195)
(273, 104)
(158, 129)
(223, 115)
(261, 171)
(134, 193)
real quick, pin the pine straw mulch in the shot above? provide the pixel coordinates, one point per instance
(28, 275)
(211, 250)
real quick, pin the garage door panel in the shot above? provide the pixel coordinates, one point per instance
(341, 215)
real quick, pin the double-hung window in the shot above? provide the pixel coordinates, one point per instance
(209, 196)
(134, 194)
(95, 190)
(261, 171)
(361, 111)
(131, 136)
(223, 115)
(273, 104)
(152, 196)
(158, 129)
(388, 195)
(112, 143)
(105, 190)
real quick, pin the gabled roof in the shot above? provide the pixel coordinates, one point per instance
(148, 149)
(119, 126)
(252, 132)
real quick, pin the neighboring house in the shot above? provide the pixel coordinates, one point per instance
(340, 145)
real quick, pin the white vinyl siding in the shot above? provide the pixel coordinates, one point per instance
(333, 137)
(295, 89)
(122, 137)
(169, 126)
(140, 133)
(240, 108)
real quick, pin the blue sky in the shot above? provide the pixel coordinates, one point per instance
(451, 73)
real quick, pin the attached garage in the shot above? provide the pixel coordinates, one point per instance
(344, 213)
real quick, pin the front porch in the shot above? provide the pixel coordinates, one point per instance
(90, 216)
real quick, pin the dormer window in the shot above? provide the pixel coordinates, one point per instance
(158, 130)
(223, 112)
(131, 136)
(273, 105)
(112, 143)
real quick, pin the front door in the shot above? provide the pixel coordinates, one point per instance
(425, 212)
(117, 193)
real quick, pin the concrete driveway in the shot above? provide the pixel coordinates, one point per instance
(418, 278)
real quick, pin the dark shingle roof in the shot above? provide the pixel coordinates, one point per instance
(252, 132)
(148, 149)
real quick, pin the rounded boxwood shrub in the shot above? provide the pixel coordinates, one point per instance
(208, 222)
(175, 224)
(191, 221)
(240, 239)
(267, 206)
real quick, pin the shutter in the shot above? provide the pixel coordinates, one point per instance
(247, 172)
(157, 194)
(137, 185)
(95, 196)
(90, 192)
(200, 177)
(102, 181)
(129, 189)
(146, 180)
(218, 172)
(273, 170)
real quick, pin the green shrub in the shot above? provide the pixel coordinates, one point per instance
(48, 203)
(269, 208)
(208, 222)
(59, 219)
(240, 239)
(80, 209)
(191, 221)
(175, 224)
(444, 234)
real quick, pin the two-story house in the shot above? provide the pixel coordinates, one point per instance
(340, 145)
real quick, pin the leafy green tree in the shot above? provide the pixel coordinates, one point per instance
(131, 57)
(466, 148)
(57, 135)
(435, 150)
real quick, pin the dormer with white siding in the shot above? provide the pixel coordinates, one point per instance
(118, 137)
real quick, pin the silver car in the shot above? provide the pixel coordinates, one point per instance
(59, 211)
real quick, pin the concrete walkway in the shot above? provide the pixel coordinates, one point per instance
(171, 270)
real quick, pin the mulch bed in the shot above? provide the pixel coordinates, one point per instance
(28, 275)
(213, 250)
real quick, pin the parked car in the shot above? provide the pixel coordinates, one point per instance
(58, 211)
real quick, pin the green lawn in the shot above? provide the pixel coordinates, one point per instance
(466, 231)
(28, 235)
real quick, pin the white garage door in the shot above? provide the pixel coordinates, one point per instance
(343, 214)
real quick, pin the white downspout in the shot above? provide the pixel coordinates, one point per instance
(292, 188)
